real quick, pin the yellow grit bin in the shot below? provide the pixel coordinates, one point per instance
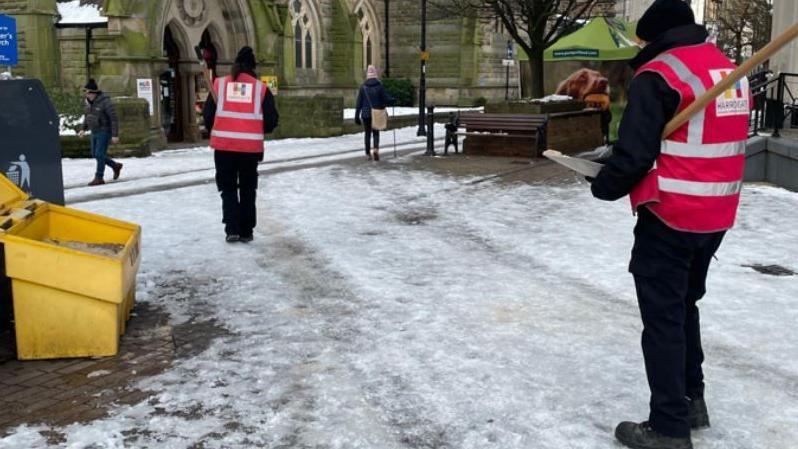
(73, 276)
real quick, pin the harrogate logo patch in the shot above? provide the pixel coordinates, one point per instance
(733, 101)
(239, 92)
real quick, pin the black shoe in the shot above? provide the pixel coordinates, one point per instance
(117, 170)
(232, 238)
(697, 413)
(642, 436)
(246, 238)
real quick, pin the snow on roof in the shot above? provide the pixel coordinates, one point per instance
(73, 12)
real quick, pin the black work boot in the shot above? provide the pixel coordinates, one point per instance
(697, 413)
(642, 436)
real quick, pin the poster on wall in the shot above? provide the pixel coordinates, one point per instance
(271, 82)
(144, 90)
(9, 54)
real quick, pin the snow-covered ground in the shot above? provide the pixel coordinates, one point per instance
(349, 113)
(73, 12)
(382, 307)
(190, 165)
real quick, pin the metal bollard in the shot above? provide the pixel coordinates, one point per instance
(430, 131)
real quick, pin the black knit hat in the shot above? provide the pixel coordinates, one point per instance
(662, 16)
(91, 86)
(246, 58)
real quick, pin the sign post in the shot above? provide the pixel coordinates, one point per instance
(9, 54)
(507, 63)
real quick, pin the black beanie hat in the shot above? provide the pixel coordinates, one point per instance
(663, 15)
(91, 86)
(246, 57)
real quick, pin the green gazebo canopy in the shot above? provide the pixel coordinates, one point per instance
(602, 39)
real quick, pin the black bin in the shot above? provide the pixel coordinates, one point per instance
(30, 152)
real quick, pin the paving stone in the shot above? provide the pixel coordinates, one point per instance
(58, 392)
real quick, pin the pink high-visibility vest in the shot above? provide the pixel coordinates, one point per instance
(238, 125)
(695, 183)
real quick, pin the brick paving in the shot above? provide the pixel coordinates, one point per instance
(61, 392)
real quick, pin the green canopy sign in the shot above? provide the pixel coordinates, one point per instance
(601, 39)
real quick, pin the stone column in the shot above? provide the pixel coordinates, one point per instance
(785, 13)
(189, 72)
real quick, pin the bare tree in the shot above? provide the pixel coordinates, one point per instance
(533, 24)
(744, 27)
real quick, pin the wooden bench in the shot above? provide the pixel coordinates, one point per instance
(529, 129)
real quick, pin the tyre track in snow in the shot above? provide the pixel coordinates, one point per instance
(265, 169)
(329, 305)
(262, 164)
(196, 178)
(600, 298)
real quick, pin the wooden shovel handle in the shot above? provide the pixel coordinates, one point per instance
(726, 83)
(207, 76)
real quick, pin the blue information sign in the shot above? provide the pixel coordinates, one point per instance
(8, 40)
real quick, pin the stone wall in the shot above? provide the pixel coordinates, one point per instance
(773, 160)
(134, 132)
(319, 116)
(574, 132)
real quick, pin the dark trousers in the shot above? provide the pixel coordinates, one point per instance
(369, 133)
(99, 149)
(670, 270)
(237, 180)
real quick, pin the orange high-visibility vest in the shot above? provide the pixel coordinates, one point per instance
(238, 125)
(696, 181)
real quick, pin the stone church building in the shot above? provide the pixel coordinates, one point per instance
(315, 48)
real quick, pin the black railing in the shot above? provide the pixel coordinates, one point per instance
(774, 103)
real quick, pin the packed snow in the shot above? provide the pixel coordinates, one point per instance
(553, 98)
(75, 13)
(384, 307)
(349, 113)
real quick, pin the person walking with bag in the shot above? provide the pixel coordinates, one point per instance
(245, 112)
(372, 99)
(685, 189)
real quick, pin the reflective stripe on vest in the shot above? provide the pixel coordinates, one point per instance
(707, 150)
(695, 130)
(237, 135)
(699, 188)
(696, 181)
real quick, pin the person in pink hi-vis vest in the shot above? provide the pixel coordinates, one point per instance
(685, 190)
(244, 110)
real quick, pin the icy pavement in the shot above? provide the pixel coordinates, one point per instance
(192, 166)
(381, 307)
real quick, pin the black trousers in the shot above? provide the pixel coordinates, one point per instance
(237, 180)
(670, 270)
(369, 133)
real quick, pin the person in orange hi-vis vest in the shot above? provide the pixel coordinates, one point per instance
(245, 112)
(685, 189)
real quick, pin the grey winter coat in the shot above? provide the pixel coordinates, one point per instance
(101, 116)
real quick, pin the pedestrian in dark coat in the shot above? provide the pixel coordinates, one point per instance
(372, 95)
(103, 123)
(676, 235)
